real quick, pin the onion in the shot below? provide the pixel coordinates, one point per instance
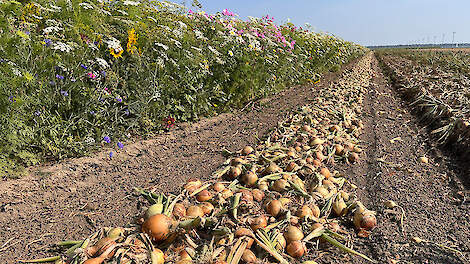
(247, 196)
(339, 150)
(204, 196)
(323, 191)
(316, 163)
(316, 141)
(101, 245)
(315, 210)
(259, 222)
(258, 195)
(247, 150)
(325, 172)
(309, 160)
(248, 256)
(194, 211)
(226, 193)
(319, 155)
(353, 157)
(296, 249)
(280, 185)
(157, 227)
(304, 211)
(272, 168)
(291, 153)
(298, 149)
(294, 220)
(237, 161)
(293, 233)
(218, 186)
(206, 207)
(339, 206)
(192, 185)
(291, 166)
(234, 172)
(157, 256)
(263, 185)
(153, 210)
(333, 226)
(274, 207)
(364, 219)
(243, 232)
(179, 210)
(249, 178)
(316, 226)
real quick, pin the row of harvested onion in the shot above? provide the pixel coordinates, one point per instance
(278, 202)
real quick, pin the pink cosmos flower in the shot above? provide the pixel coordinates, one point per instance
(91, 75)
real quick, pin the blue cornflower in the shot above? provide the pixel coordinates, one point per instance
(60, 77)
(119, 99)
(83, 66)
(103, 73)
(107, 139)
(120, 145)
(64, 93)
(111, 155)
(126, 112)
(12, 99)
(92, 112)
(47, 42)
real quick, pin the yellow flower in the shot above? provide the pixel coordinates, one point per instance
(132, 41)
(116, 55)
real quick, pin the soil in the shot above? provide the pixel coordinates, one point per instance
(70, 199)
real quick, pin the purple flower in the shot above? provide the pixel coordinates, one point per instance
(107, 139)
(126, 112)
(111, 155)
(64, 93)
(47, 42)
(37, 113)
(103, 73)
(119, 99)
(60, 77)
(11, 99)
(91, 75)
(83, 66)
(92, 112)
(120, 145)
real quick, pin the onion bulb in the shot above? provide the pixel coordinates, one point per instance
(315, 210)
(207, 207)
(237, 161)
(284, 201)
(226, 193)
(179, 211)
(157, 256)
(263, 185)
(281, 242)
(293, 233)
(194, 211)
(192, 185)
(258, 195)
(353, 157)
(243, 232)
(259, 222)
(304, 211)
(274, 207)
(247, 150)
(272, 168)
(234, 172)
(204, 196)
(218, 186)
(291, 166)
(325, 172)
(364, 219)
(280, 185)
(157, 227)
(339, 206)
(249, 178)
(296, 249)
(248, 256)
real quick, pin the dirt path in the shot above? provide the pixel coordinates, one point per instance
(433, 209)
(69, 200)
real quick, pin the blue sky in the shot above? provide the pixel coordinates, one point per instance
(367, 22)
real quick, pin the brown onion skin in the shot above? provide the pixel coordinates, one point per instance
(204, 196)
(179, 211)
(296, 249)
(157, 227)
(248, 256)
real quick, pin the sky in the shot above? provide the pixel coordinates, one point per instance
(367, 22)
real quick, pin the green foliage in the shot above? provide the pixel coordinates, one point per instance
(74, 71)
